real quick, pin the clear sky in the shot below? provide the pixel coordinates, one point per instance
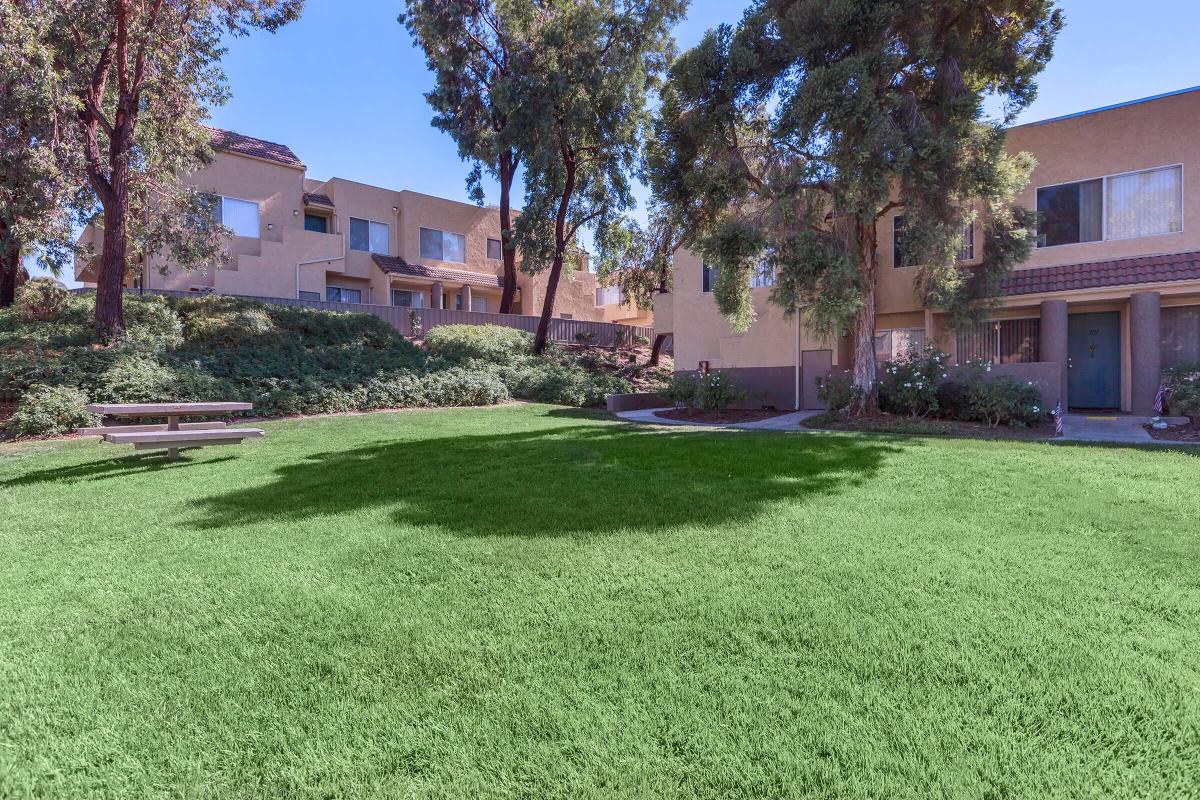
(343, 86)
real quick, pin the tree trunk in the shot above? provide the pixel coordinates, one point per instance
(561, 240)
(10, 267)
(863, 377)
(507, 172)
(656, 351)
(543, 330)
(110, 279)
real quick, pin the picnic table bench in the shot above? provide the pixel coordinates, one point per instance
(172, 436)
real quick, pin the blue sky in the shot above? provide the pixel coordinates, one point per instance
(362, 114)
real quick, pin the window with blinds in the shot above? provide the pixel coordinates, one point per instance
(1144, 203)
(1006, 341)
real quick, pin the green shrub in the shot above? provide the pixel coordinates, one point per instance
(492, 343)
(50, 411)
(463, 387)
(41, 300)
(910, 385)
(585, 337)
(1004, 401)
(836, 391)
(717, 391)
(136, 379)
(952, 400)
(544, 381)
(681, 389)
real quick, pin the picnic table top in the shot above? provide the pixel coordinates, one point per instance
(166, 409)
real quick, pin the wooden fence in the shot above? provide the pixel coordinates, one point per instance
(561, 330)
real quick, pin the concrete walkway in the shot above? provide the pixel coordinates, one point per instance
(1115, 428)
(784, 422)
(1121, 428)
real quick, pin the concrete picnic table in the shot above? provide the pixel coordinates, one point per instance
(196, 434)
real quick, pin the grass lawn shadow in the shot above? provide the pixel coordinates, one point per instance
(583, 479)
(119, 467)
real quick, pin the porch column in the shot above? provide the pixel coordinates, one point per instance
(1145, 349)
(435, 298)
(1053, 340)
(466, 297)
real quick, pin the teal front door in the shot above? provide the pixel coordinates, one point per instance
(1095, 360)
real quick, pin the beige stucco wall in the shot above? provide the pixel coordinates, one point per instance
(1139, 136)
(268, 266)
(701, 333)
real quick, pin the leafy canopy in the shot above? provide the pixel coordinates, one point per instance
(784, 140)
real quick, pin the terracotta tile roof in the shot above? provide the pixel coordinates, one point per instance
(1098, 274)
(398, 266)
(249, 146)
(314, 199)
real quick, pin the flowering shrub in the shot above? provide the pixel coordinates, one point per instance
(1004, 401)
(717, 392)
(910, 385)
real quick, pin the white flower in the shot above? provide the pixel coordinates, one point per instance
(908, 386)
(1036, 410)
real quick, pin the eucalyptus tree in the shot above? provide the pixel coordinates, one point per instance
(39, 190)
(471, 47)
(586, 74)
(782, 142)
(142, 75)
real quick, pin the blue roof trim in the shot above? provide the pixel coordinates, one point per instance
(1108, 108)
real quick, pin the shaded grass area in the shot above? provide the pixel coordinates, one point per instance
(534, 602)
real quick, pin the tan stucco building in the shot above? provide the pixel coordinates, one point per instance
(343, 241)
(1109, 297)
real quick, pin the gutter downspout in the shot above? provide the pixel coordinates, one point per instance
(299, 264)
(799, 354)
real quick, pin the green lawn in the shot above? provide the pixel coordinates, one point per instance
(535, 602)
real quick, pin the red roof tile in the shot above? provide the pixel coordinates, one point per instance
(232, 142)
(1098, 274)
(313, 199)
(398, 266)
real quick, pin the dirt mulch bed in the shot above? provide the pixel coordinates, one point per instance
(891, 423)
(1176, 433)
(730, 416)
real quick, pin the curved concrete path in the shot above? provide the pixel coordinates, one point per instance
(784, 422)
(1118, 429)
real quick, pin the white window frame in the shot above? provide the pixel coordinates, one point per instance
(369, 222)
(1104, 203)
(488, 248)
(221, 198)
(444, 234)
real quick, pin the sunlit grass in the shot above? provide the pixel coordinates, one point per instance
(536, 602)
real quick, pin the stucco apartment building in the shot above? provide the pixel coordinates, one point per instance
(1109, 297)
(343, 241)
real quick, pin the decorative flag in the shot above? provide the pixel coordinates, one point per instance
(1160, 400)
(1058, 419)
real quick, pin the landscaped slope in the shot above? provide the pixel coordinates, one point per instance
(285, 360)
(527, 601)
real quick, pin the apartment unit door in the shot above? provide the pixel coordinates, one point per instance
(815, 364)
(1094, 342)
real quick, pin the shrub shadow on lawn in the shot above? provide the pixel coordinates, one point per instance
(562, 481)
